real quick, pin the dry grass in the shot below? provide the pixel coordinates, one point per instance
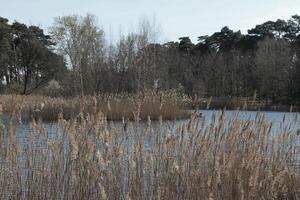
(114, 107)
(89, 157)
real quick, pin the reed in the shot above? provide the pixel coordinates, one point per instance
(91, 157)
(113, 106)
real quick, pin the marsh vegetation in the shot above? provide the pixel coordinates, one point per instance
(88, 156)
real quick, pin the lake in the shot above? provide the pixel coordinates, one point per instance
(150, 133)
(279, 120)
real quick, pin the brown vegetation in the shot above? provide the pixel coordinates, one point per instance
(89, 157)
(115, 107)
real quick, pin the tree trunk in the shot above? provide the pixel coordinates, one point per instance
(25, 83)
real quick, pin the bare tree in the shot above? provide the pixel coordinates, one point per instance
(82, 42)
(148, 33)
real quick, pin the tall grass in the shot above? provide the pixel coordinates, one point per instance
(89, 157)
(115, 107)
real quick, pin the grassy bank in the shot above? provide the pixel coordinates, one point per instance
(165, 105)
(93, 159)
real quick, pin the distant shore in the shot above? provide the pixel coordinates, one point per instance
(234, 104)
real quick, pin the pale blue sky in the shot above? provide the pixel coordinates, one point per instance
(176, 17)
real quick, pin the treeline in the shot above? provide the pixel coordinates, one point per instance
(264, 62)
(27, 59)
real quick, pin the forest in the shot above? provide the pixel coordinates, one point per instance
(74, 58)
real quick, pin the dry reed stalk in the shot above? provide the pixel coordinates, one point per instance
(91, 158)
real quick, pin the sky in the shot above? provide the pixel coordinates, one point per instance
(176, 18)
